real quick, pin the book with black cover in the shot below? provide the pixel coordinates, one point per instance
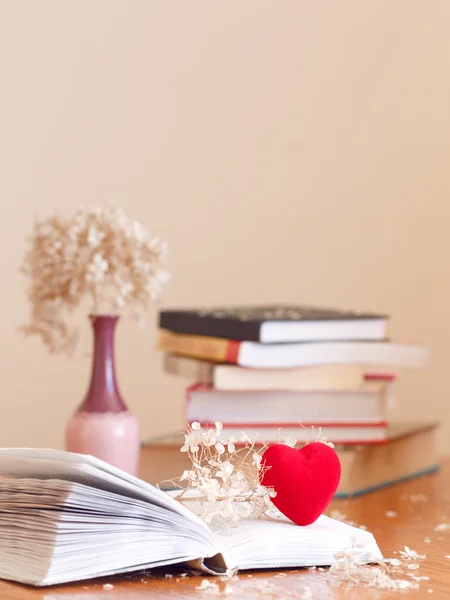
(276, 323)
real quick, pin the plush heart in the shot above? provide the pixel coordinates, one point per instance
(305, 480)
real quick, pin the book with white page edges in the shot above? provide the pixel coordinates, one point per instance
(67, 517)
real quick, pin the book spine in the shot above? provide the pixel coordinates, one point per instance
(189, 368)
(214, 349)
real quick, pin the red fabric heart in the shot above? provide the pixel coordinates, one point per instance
(305, 480)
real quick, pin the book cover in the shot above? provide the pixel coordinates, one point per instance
(275, 323)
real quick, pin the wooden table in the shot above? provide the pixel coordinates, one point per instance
(420, 506)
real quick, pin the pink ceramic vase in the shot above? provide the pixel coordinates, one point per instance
(103, 426)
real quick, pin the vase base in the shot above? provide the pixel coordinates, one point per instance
(112, 437)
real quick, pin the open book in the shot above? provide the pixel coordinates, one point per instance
(67, 517)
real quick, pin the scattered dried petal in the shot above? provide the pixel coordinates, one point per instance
(210, 587)
(395, 562)
(409, 554)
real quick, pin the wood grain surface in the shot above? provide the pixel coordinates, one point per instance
(419, 506)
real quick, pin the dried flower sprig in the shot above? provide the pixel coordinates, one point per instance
(97, 253)
(226, 478)
(347, 568)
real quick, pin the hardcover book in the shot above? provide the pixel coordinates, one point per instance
(67, 517)
(276, 323)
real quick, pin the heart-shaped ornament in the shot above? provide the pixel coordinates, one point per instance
(305, 480)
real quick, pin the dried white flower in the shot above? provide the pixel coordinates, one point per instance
(257, 460)
(409, 554)
(231, 447)
(395, 562)
(347, 568)
(221, 474)
(391, 514)
(219, 447)
(97, 253)
(442, 527)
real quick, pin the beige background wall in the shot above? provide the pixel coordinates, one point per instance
(289, 151)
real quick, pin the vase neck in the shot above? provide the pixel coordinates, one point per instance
(103, 394)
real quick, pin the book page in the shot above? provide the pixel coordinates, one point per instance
(95, 520)
(56, 530)
(41, 463)
(277, 542)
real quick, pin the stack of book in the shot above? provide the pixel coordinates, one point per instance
(276, 372)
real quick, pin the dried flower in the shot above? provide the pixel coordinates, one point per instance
(226, 479)
(409, 554)
(97, 253)
(394, 562)
(347, 568)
